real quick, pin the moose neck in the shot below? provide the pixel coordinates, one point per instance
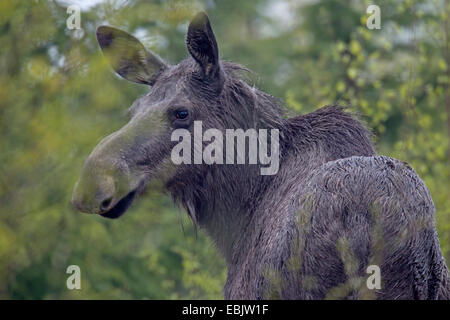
(230, 201)
(230, 204)
(221, 198)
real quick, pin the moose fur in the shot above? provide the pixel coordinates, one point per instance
(308, 232)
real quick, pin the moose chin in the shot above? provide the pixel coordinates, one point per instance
(333, 209)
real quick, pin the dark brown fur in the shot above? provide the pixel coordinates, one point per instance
(308, 232)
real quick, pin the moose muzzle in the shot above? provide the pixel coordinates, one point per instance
(106, 186)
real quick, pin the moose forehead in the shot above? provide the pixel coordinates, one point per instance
(171, 87)
(176, 86)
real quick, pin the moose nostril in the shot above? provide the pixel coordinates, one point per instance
(105, 204)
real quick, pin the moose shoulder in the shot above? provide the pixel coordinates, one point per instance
(311, 230)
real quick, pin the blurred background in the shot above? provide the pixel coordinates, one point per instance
(58, 98)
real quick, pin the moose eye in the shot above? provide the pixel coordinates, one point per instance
(181, 114)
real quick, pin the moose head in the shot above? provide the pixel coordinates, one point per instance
(125, 162)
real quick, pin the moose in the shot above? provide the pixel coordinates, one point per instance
(310, 231)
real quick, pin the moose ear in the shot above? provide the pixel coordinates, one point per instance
(128, 56)
(202, 45)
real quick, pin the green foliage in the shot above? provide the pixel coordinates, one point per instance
(58, 98)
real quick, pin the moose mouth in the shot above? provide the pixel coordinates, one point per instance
(120, 206)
